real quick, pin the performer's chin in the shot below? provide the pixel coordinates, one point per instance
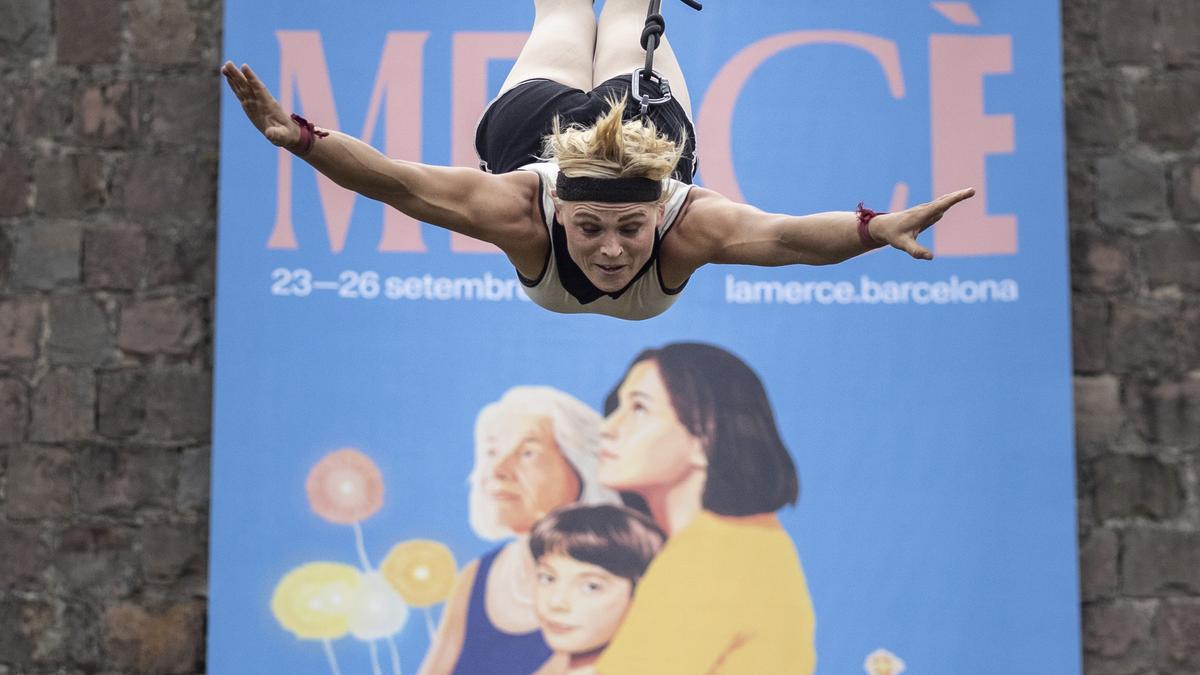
(609, 278)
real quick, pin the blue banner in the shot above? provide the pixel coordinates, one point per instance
(926, 406)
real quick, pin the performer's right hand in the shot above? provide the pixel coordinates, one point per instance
(260, 106)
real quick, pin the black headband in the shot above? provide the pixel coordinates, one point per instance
(611, 190)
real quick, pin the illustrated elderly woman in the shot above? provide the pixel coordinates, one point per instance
(691, 432)
(536, 449)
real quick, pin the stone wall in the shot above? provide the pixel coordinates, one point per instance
(108, 159)
(1132, 73)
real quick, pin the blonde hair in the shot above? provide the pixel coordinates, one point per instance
(612, 147)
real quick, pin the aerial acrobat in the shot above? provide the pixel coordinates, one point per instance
(588, 156)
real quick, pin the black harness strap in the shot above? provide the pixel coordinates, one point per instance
(652, 34)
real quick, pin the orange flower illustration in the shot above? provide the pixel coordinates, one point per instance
(345, 487)
(421, 571)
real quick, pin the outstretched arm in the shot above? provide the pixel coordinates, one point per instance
(495, 209)
(715, 229)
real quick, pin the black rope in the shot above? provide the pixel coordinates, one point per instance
(656, 25)
(652, 33)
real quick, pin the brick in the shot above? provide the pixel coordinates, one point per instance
(163, 32)
(25, 558)
(179, 109)
(79, 331)
(1098, 412)
(1175, 256)
(156, 405)
(1162, 106)
(1169, 412)
(1098, 564)
(1081, 189)
(1177, 636)
(105, 114)
(1188, 320)
(30, 637)
(1096, 115)
(1116, 637)
(1131, 190)
(82, 620)
(1100, 263)
(116, 482)
(158, 640)
(179, 185)
(1089, 334)
(44, 108)
(178, 405)
(98, 561)
(7, 102)
(1180, 30)
(160, 326)
(6, 256)
(69, 185)
(121, 403)
(1185, 190)
(46, 256)
(25, 30)
(1158, 562)
(171, 552)
(1144, 336)
(63, 406)
(15, 181)
(14, 411)
(39, 483)
(20, 329)
(195, 476)
(1080, 27)
(1140, 487)
(182, 258)
(1127, 30)
(114, 257)
(88, 31)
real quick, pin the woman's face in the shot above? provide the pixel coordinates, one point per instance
(522, 472)
(579, 605)
(609, 242)
(643, 446)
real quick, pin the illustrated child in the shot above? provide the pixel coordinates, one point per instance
(589, 560)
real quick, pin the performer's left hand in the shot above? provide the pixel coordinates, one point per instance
(900, 229)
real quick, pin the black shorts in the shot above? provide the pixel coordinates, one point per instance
(511, 131)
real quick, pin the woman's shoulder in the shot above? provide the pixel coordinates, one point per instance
(729, 540)
(548, 171)
(738, 556)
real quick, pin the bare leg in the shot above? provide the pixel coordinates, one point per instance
(619, 48)
(561, 45)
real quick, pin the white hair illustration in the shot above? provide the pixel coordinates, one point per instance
(576, 430)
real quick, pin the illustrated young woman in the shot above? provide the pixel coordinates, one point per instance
(536, 450)
(590, 200)
(691, 432)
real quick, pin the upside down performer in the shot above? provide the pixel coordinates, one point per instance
(588, 160)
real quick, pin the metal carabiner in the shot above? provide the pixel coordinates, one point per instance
(655, 78)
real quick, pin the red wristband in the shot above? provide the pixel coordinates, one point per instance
(308, 136)
(864, 233)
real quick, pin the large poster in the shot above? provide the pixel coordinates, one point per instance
(396, 423)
